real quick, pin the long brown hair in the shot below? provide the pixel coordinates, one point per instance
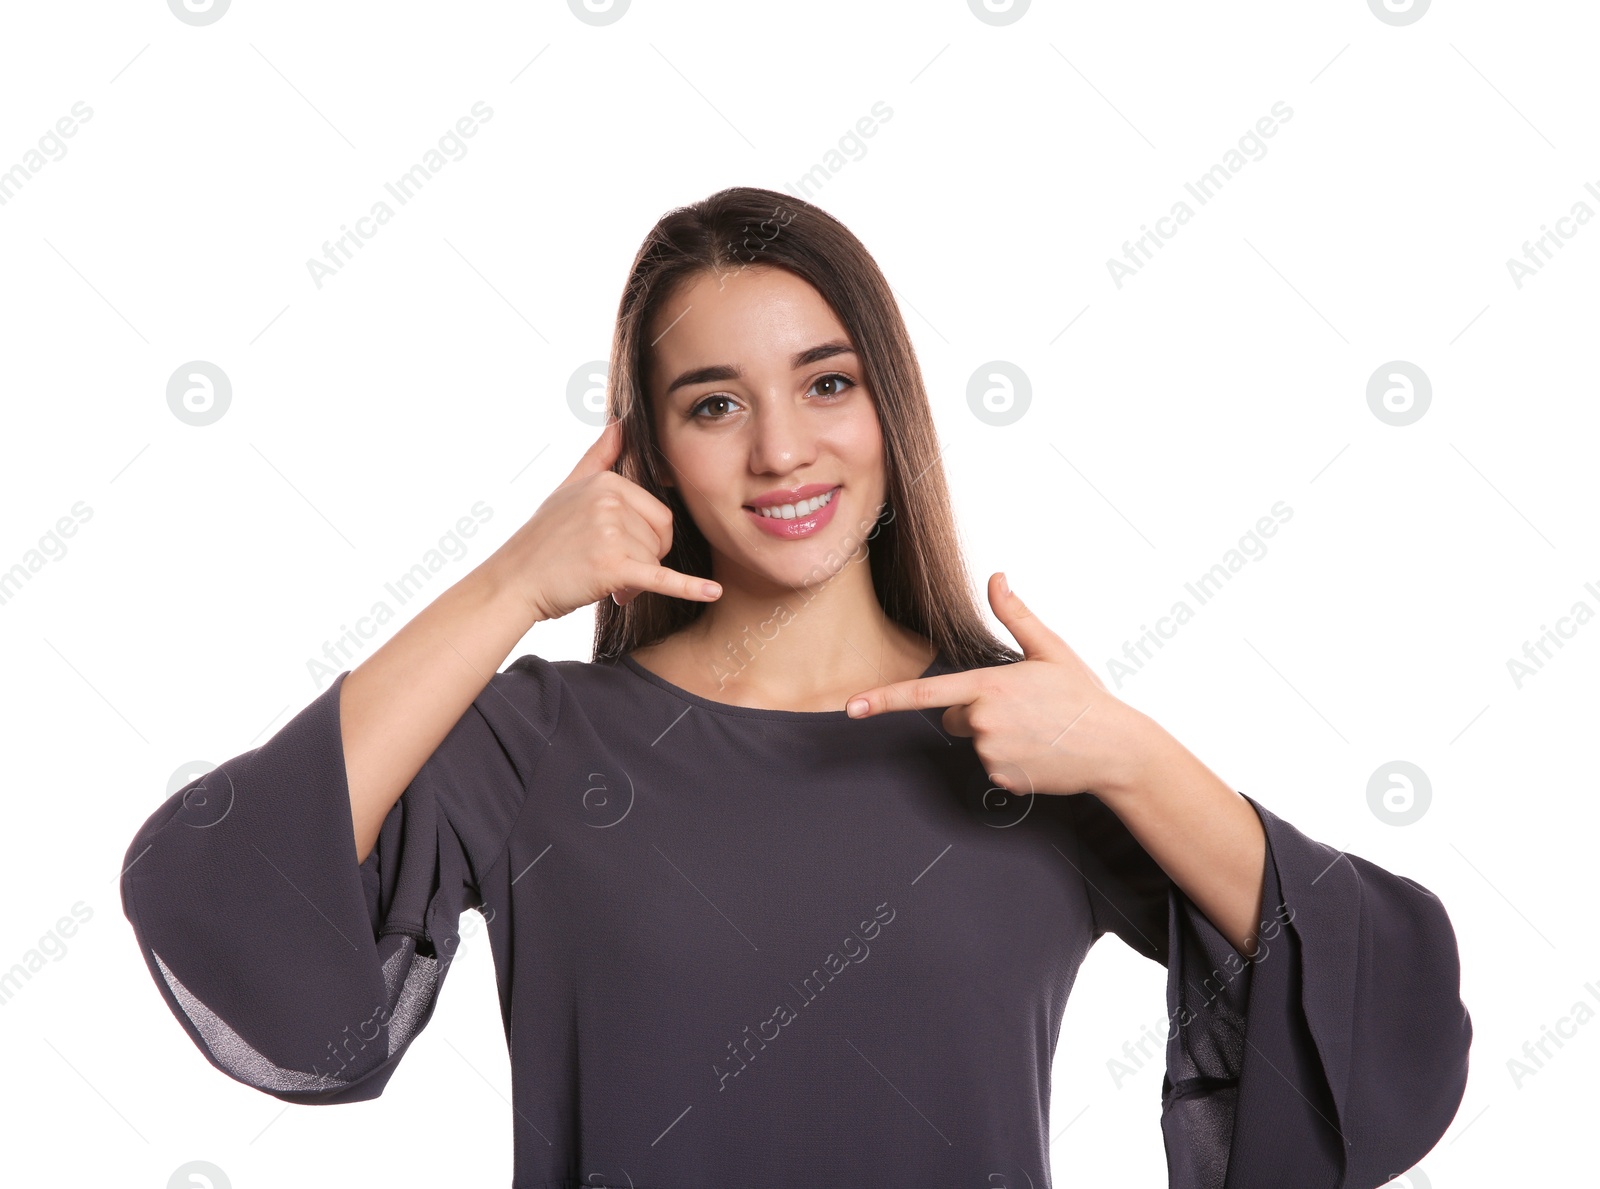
(918, 571)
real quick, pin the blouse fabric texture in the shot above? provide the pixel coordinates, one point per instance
(743, 947)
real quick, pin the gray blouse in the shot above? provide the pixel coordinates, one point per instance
(744, 947)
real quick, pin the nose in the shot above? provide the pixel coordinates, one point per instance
(783, 439)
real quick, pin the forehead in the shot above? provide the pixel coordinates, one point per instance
(741, 316)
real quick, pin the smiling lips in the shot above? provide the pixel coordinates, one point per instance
(799, 518)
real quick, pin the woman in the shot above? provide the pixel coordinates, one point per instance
(741, 934)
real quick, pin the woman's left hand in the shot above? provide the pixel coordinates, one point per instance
(1046, 724)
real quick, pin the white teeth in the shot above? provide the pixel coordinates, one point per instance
(803, 508)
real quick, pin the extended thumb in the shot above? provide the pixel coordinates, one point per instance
(600, 455)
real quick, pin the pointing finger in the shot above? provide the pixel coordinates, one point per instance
(919, 693)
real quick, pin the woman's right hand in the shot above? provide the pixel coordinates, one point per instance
(597, 534)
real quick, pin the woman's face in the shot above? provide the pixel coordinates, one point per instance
(755, 389)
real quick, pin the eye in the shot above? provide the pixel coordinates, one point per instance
(834, 378)
(719, 398)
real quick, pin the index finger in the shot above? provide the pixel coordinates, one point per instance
(919, 693)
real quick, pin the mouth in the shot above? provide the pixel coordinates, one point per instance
(798, 510)
(791, 522)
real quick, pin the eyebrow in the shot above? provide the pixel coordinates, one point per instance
(726, 371)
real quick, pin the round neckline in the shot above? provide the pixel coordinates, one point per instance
(730, 709)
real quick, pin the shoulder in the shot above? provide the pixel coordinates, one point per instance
(532, 673)
(525, 699)
(541, 691)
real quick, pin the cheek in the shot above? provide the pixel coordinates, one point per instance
(859, 438)
(698, 462)
(709, 477)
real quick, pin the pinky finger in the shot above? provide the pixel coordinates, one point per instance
(670, 582)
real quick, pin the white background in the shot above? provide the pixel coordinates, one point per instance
(1168, 414)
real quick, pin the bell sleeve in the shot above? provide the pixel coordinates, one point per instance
(295, 970)
(1336, 1056)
